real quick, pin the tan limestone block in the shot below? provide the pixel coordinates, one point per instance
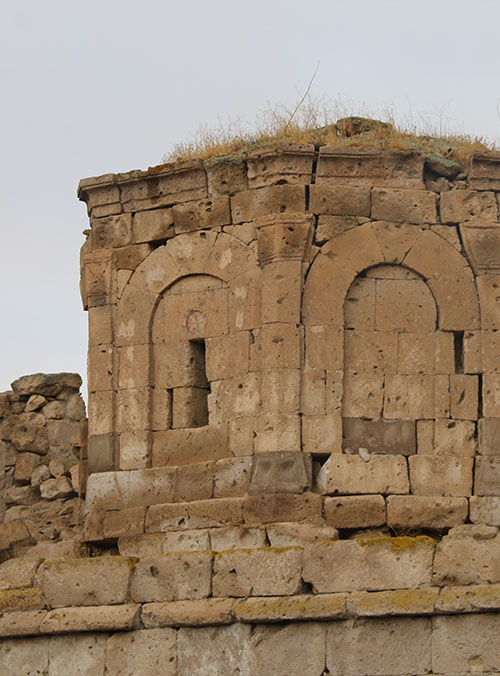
(389, 271)
(312, 392)
(172, 577)
(184, 541)
(359, 307)
(414, 397)
(487, 476)
(18, 572)
(232, 477)
(466, 560)
(351, 475)
(441, 475)
(245, 232)
(226, 176)
(85, 582)
(237, 537)
(358, 511)
(74, 653)
(395, 240)
(161, 409)
(181, 447)
(211, 212)
(488, 287)
(346, 165)
(378, 436)
(339, 200)
(25, 465)
(290, 648)
(282, 292)
(321, 434)
(454, 437)
(276, 199)
(331, 226)
(357, 249)
(277, 432)
(20, 623)
(298, 534)
(326, 278)
(456, 298)
(417, 353)
(134, 315)
(133, 488)
(197, 315)
(371, 351)
(245, 306)
(404, 206)
(111, 231)
(491, 395)
(151, 226)
(324, 347)
(246, 395)
(491, 351)
(100, 325)
(298, 607)
(122, 279)
(280, 472)
(489, 436)
(227, 355)
(32, 653)
(268, 571)
(469, 598)
(481, 243)
(404, 305)
(194, 482)
(277, 507)
(280, 390)
(484, 170)
(457, 206)
(128, 258)
(100, 368)
(132, 409)
(27, 598)
(369, 564)
(363, 395)
(197, 613)
(134, 366)
(445, 352)
(98, 274)
(284, 237)
(97, 618)
(334, 392)
(189, 407)
(433, 256)
(140, 545)
(464, 397)
(413, 511)
(368, 647)
(286, 163)
(241, 436)
(100, 412)
(178, 363)
(485, 510)
(393, 602)
(213, 513)
(146, 650)
(201, 649)
(123, 522)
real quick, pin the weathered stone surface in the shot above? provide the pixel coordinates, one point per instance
(46, 384)
(370, 647)
(398, 602)
(237, 537)
(257, 572)
(51, 489)
(216, 651)
(199, 613)
(200, 514)
(146, 651)
(173, 577)
(298, 534)
(95, 618)
(414, 511)
(357, 511)
(20, 623)
(369, 564)
(29, 656)
(186, 541)
(441, 475)
(465, 643)
(297, 607)
(294, 649)
(467, 560)
(382, 436)
(78, 654)
(487, 476)
(27, 598)
(485, 510)
(287, 472)
(86, 582)
(19, 572)
(259, 509)
(25, 464)
(350, 474)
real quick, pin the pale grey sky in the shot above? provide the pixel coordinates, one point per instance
(111, 85)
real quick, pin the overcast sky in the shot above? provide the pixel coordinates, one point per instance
(111, 85)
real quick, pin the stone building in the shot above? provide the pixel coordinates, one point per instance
(292, 457)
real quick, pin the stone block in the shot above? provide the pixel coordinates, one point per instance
(379, 646)
(85, 582)
(363, 395)
(488, 287)
(371, 351)
(473, 352)
(441, 475)
(78, 654)
(132, 407)
(287, 472)
(31, 654)
(299, 607)
(416, 397)
(369, 564)
(96, 618)
(214, 513)
(454, 437)
(359, 306)
(324, 347)
(462, 642)
(351, 475)
(382, 436)
(172, 577)
(329, 227)
(241, 436)
(124, 522)
(491, 395)
(185, 541)
(100, 453)
(464, 397)
(321, 434)
(490, 351)
(257, 572)
(210, 212)
(25, 464)
(100, 325)
(146, 651)
(281, 346)
(487, 476)
(20, 623)
(226, 177)
(287, 163)
(237, 537)
(277, 432)
(140, 545)
(18, 572)
(313, 392)
(128, 258)
(339, 200)
(276, 199)
(359, 511)
(194, 482)
(215, 651)
(182, 447)
(232, 477)
(393, 602)
(282, 292)
(198, 613)
(100, 412)
(404, 206)
(481, 243)
(466, 560)
(134, 366)
(46, 384)
(135, 449)
(457, 206)
(294, 649)
(298, 534)
(261, 509)
(414, 511)
(485, 510)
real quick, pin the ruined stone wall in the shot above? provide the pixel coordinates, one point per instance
(293, 436)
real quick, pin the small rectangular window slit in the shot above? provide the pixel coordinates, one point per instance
(458, 345)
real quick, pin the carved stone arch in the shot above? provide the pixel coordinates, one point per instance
(210, 270)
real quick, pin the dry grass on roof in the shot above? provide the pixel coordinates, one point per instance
(324, 125)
